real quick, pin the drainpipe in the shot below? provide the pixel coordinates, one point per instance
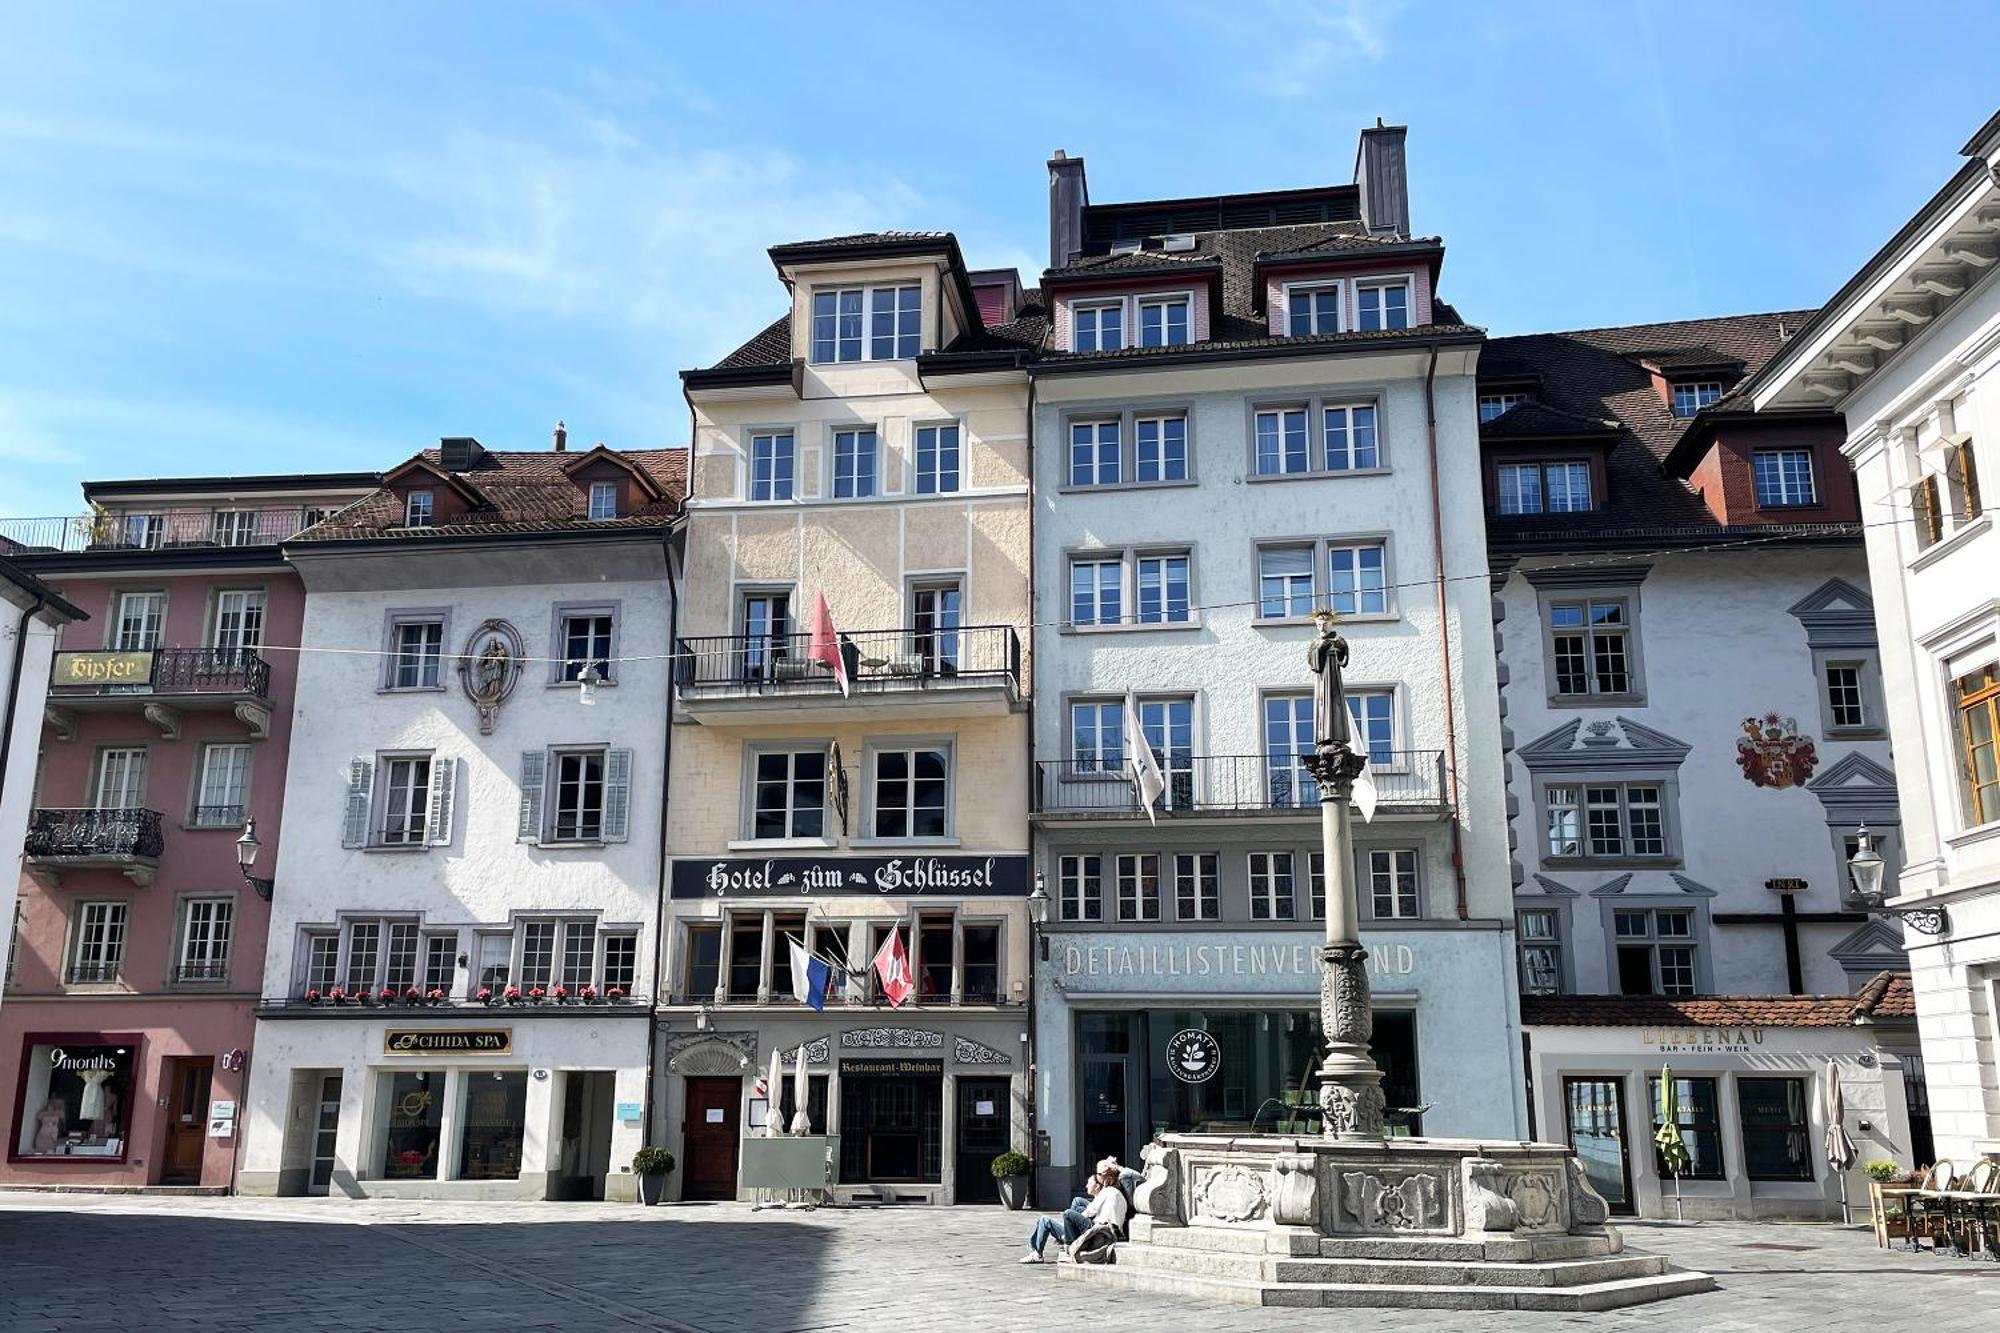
(14, 679)
(1444, 639)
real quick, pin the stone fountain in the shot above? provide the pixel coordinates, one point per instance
(1353, 1218)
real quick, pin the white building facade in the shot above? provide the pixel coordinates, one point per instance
(35, 615)
(457, 993)
(1238, 420)
(1909, 352)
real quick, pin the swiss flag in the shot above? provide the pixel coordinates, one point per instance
(893, 966)
(825, 645)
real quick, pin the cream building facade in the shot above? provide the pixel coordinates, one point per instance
(870, 448)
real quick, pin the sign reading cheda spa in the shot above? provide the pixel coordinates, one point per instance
(447, 1041)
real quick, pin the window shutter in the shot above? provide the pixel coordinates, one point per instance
(617, 794)
(1968, 482)
(360, 776)
(444, 794)
(533, 763)
(1924, 496)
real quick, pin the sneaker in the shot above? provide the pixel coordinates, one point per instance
(1031, 1258)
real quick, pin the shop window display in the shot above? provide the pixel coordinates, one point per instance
(411, 1117)
(491, 1120)
(77, 1099)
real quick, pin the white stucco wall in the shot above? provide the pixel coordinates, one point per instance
(33, 648)
(1716, 644)
(485, 877)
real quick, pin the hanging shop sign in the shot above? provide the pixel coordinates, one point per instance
(1785, 885)
(71, 669)
(1194, 1055)
(448, 1041)
(886, 876)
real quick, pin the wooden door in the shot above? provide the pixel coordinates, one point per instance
(984, 1126)
(187, 1121)
(710, 1135)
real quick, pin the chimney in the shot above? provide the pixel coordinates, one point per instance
(1068, 197)
(561, 437)
(1380, 172)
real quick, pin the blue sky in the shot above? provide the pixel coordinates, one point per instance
(270, 237)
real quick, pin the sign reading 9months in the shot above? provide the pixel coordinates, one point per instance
(1193, 1055)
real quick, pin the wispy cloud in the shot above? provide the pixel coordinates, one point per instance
(1322, 36)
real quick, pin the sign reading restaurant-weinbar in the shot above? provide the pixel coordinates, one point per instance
(806, 877)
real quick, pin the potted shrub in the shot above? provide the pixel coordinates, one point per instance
(513, 995)
(537, 995)
(651, 1166)
(436, 996)
(588, 995)
(560, 994)
(412, 995)
(484, 995)
(336, 996)
(1010, 1171)
(614, 992)
(312, 996)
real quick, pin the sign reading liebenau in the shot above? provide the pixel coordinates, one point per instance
(101, 669)
(448, 1041)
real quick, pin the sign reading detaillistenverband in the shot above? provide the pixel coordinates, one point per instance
(447, 1041)
(833, 876)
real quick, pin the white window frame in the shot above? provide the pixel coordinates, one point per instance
(1202, 872)
(133, 763)
(1688, 397)
(1320, 583)
(1313, 289)
(1544, 492)
(420, 508)
(1550, 947)
(1098, 562)
(903, 346)
(205, 769)
(603, 501)
(763, 478)
(1655, 940)
(792, 751)
(1130, 562)
(1382, 286)
(1784, 497)
(1161, 445)
(430, 672)
(143, 634)
(1130, 873)
(1264, 872)
(567, 670)
(1499, 404)
(1162, 301)
(909, 749)
(1317, 412)
(384, 810)
(1094, 475)
(1403, 869)
(1080, 886)
(1582, 795)
(237, 620)
(1625, 632)
(1103, 759)
(111, 918)
(233, 527)
(848, 469)
(1096, 309)
(215, 940)
(581, 755)
(931, 480)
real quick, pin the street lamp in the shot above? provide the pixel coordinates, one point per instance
(247, 848)
(1867, 867)
(1038, 911)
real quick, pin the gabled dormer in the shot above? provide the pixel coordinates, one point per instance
(1776, 466)
(1347, 284)
(877, 297)
(430, 496)
(1688, 379)
(608, 485)
(1540, 460)
(1134, 297)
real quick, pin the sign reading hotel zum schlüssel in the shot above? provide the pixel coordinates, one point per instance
(447, 1041)
(805, 877)
(71, 670)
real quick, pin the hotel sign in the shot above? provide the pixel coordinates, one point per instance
(857, 876)
(92, 669)
(448, 1041)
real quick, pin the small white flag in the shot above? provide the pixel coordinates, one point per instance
(1364, 794)
(1146, 775)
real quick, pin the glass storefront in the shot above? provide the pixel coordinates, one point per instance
(891, 1122)
(1255, 1071)
(410, 1116)
(492, 1119)
(77, 1100)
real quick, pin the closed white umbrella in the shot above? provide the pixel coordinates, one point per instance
(774, 1120)
(1840, 1152)
(801, 1089)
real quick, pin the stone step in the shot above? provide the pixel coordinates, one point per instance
(1610, 1295)
(1501, 1248)
(1413, 1272)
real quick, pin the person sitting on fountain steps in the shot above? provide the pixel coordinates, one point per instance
(1106, 1205)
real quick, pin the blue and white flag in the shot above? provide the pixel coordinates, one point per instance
(810, 975)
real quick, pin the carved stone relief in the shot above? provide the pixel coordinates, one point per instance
(1295, 1200)
(1487, 1207)
(891, 1039)
(711, 1053)
(1230, 1194)
(1534, 1197)
(1159, 1193)
(966, 1051)
(1385, 1203)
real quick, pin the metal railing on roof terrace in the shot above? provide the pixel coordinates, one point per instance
(167, 528)
(878, 661)
(1206, 784)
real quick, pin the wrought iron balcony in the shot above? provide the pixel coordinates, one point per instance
(1406, 782)
(123, 839)
(159, 672)
(941, 666)
(90, 974)
(198, 973)
(160, 529)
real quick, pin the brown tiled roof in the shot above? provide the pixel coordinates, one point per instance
(1257, 336)
(1887, 995)
(529, 492)
(1596, 374)
(1715, 1011)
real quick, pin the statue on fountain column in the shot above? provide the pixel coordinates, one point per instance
(1326, 655)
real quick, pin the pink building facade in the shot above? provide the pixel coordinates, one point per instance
(126, 1026)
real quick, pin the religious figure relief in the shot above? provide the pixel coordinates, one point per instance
(1351, 1112)
(489, 668)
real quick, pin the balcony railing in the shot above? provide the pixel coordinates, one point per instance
(87, 835)
(196, 973)
(218, 816)
(90, 974)
(159, 529)
(176, 671)
(884, 661)
(1232, 784)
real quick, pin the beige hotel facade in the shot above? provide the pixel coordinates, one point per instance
(870, 447)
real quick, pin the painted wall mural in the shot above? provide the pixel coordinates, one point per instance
(1772, 753)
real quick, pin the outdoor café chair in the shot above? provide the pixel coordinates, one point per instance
(1927, 1205)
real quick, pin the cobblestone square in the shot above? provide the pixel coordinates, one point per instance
(84, 1263)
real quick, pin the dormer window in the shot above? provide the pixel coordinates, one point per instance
(1492, 405)
(1382, 305)
(603, 499)
(418, 509)
(1099, 326)
(1693, 395)
(1783, 477)
(1543, 487)
(1312, 310)
(1164, 322)
(867, 324)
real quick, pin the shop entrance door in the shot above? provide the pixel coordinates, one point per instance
(1596, 1113)
(1105, 1132)
(325, 1131)
(983, 1119)
(586, 1133)
(713, 1112)
(187, 1120)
